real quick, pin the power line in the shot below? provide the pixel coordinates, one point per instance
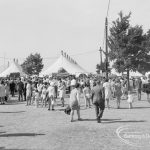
(55, 57)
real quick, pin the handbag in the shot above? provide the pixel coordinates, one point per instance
(67, 110)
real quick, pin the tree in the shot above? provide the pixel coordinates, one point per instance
(33, 64)
(145, 64)
(102, 67)
(126, 45)
(62, 70)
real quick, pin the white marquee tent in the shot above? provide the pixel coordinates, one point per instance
(135, 74)
(13, 68)
(131, 74)
(114, 72)
(65, 62)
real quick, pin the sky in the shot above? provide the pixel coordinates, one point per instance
(74, 26)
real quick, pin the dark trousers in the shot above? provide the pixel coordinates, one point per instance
(24, 96)
(12, 92)
(56, 91)
(20, 95)
(99, 109)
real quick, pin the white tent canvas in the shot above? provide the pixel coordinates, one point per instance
(13, 68)
(131, 74)
(114, 72)
(135, 74)
(63, 62)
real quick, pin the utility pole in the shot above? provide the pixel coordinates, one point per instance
(106, 33)
(100, 50)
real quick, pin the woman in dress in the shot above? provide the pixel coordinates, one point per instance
(74, 101)
(108, 92)
(44, 94)
(37, 96)
(51, 95)
(28, 93)
(62, 89)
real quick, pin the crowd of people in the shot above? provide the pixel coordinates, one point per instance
(95, 91)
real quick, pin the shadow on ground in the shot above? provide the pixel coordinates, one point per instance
(136, 108)
(14, 102)
(3, 148)
(11, 112)
(114, 120)
(121, 121)
(20, 134)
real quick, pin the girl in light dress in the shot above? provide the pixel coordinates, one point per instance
(28, 93)
(74, 101)
(37, 96)
(51, 95)
(131, 98)
(62, 89)
(44, 95)
(87, 95)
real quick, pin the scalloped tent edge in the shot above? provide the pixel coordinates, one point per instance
(69, 66)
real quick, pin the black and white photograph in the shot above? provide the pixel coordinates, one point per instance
(74, 75)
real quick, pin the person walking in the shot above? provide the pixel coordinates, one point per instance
(51, 96)
(62, 89)
(118, 92)
(139, 88)
(44, 95)
(2, 92)
(28, 93)
(87, 95)
(7, 89)
(74, 101)
(130, 99)
(12, 88)
(37, 96)
(148, 90)
(20, 90)
(25, 90)
(98, 100)
(108, 92)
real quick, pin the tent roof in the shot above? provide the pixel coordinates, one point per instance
(114, 72)
(13, 68)
(135, 74)
(63, 62)
(131, 74)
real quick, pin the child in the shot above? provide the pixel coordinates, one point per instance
(44, 93)
(7, 91)
(51, 95)
(130, 99)
(87, 95)
(37, 96)
(62, 89)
